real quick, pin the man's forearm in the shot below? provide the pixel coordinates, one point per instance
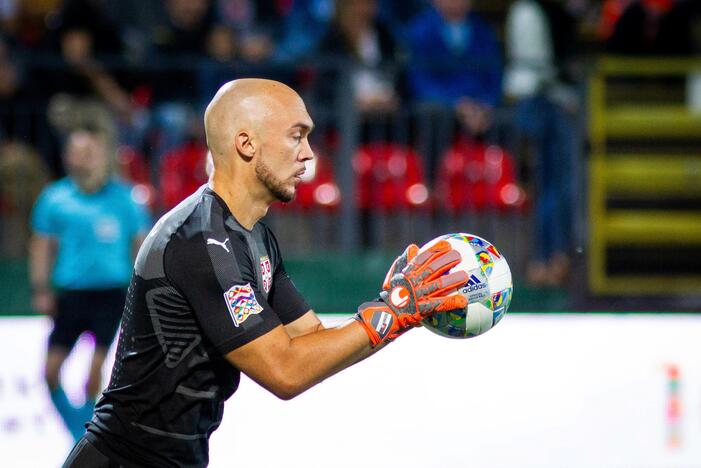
(288, 367)
(329, 351)
(40, 262)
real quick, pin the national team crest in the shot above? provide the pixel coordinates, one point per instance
(267, 273)
(241, 302)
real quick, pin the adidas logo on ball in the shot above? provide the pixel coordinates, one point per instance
(474, 284)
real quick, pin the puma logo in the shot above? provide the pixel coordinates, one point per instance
(220, 244)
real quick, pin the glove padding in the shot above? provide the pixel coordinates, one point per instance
(414, 289)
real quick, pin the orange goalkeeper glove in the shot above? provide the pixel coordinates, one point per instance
(414, 289)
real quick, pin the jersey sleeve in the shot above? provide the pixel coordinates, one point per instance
(42, 218)
(285, 298)
(220, 285)
(288, 302)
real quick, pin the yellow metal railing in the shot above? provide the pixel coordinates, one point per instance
(645, 175)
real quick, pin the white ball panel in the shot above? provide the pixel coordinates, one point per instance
(479, 319)
(499, 283)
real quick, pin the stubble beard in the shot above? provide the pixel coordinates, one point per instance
(272, 183)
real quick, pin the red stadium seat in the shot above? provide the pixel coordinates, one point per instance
(182, 172)
(389, 176)
(477, 177)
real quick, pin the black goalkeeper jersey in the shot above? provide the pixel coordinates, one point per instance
(202, 286)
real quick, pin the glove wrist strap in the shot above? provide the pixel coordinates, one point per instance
(378, 321)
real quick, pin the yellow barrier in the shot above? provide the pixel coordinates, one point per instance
(653, 174)
(646, 175)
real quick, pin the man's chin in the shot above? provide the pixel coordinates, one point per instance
(287, 196)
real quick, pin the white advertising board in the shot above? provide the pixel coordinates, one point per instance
(537, 391)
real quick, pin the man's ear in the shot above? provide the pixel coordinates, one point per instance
(245, 144)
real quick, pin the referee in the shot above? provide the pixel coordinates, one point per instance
(86, 228)
(209, 296)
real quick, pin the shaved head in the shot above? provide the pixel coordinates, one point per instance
(247, 104)
(257, 133)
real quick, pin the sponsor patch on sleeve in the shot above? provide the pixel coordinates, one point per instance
(241, 302)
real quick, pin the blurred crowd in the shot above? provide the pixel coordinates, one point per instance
(139, 72)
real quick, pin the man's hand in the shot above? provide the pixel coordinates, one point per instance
(414, 289)
(475, 116)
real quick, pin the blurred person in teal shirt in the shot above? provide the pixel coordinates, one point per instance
(87, 228)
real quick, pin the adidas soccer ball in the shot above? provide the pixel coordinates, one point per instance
(488, 290)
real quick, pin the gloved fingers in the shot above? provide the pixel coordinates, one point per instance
(442, 304)
(411, 252)
(437, 248)
(443, 285)
(411, 320)
(399, 264)
(435, 267)
(455, 302)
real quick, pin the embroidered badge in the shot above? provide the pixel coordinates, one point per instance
(241, 302)
(267, 273)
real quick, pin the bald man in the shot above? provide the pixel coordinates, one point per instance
(209, 296)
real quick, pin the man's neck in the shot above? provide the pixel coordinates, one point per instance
(241, 200)
(89, 187)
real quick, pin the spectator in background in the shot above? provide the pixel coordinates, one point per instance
(396, 14)
(86, 228)
(22, 116)
(189, 34)
(255, 24)
(136, 20)
(539, 34)
(455, 62)
(84, 40)
(303, 27)
(357, 36)
(84, 76)
(22, 176)
(186, 29)
(305, 22)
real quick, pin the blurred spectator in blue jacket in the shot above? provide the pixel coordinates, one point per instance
(306, 22)
(396, 14)
(455, 61)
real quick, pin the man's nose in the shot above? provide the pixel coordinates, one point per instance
(307, 152)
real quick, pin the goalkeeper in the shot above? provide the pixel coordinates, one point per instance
(209, 297)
